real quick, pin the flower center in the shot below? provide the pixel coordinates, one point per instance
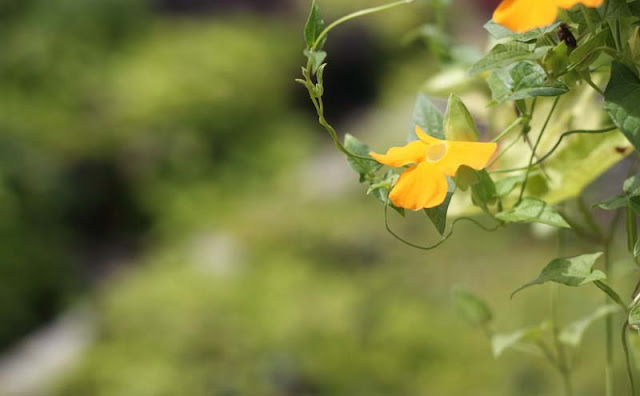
(436, 151)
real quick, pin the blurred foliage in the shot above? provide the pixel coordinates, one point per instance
(108, 112)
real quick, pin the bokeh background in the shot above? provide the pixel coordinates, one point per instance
(174, 222)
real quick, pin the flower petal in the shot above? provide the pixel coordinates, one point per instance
(472, 154)
(524, 15)
(422, 135)
(566, 4)
(421, 186)
(400, 156)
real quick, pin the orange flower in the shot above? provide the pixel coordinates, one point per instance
(424, 184)
(523, 15)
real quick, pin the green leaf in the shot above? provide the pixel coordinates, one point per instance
(366, 169)
(483, 193)
(380, 188)
(533, 210)
(570, 271)
(438, 215)
(313, 28)
(572, 334)
(556, 60)
(584, 53)
(621, 102)
(316, 58)
(507, 184)
(636, 249)
(523, 80)
(458, 122)
(619, 201)
(506, 54)
(466, 177)
(631, 188)
(503, 342)
(428, 117)
(498, 31)
(471, 308)
(617, 9)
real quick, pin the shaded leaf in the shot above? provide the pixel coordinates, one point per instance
(438, 214)
(533, 210)
(621, 102)
(471, 308)
(584, 53)
(366, 169)
(570, 271)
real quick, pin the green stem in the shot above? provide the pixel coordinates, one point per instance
(627, 356)
(355, 15)
(503, 152)
(563, 363)
(511, 127)
(535, 147)
(632, 229)
(608, 368)
(555, 146)
(443, 240)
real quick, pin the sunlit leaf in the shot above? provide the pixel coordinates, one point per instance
(523, 80)
(533, 210)
(506, 54)
(569, 271)
(458, 122)
(498, 31)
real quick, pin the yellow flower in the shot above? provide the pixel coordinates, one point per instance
(424, 184)
(523, 15)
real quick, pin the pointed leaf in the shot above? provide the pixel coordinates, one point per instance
(502, 342)
(458, 122)
(570, 271)
(314, 26)
(438, 214)
(428, 117)
(573, 333)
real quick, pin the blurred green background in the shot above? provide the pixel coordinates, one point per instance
(163, 182)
